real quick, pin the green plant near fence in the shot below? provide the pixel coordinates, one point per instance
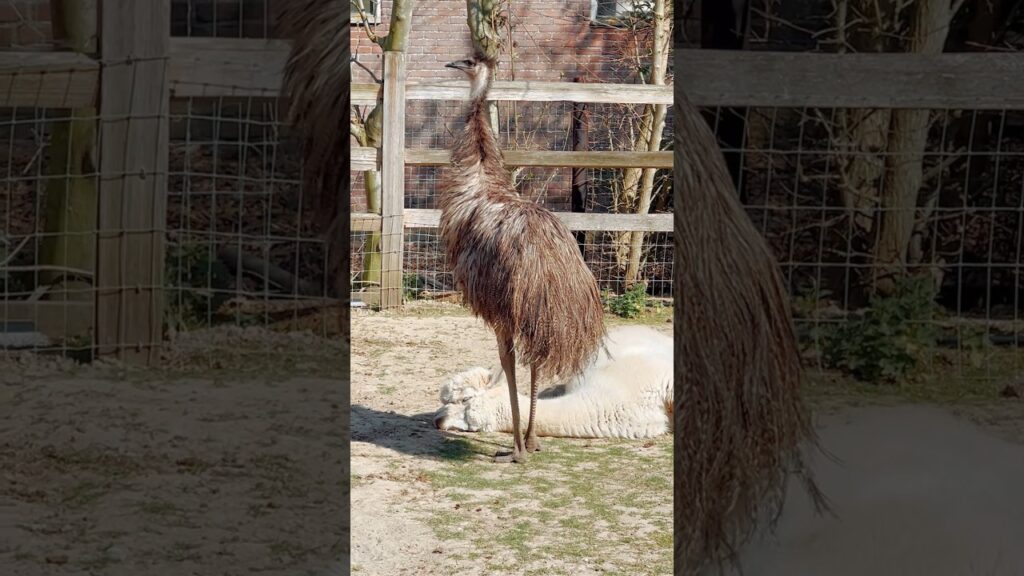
(890, 340)
(197, 284)
(630, 304)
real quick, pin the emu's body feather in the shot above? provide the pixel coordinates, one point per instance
(740, 421)
(317, 76)
(517, 264)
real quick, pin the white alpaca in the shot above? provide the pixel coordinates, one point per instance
(625, 392)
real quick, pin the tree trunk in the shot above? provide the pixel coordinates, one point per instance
(652, 129)
(369, 135)
(907, 140)
(482, 16)
(863, 134)
(580, 176)
(70, 198)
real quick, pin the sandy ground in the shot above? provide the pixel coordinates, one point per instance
(232, 466)
(917, 491)
(416, 511)
(229, 470)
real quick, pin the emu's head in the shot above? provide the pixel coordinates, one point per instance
(480, 72)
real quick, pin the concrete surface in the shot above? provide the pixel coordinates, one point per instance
(918, 491)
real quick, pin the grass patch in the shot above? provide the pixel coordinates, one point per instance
(599, 502)
(950, 378)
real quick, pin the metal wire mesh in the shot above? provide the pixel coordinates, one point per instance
(241, 229)
(222, 18)
(819, 183)
(240, 246)
(525, 126)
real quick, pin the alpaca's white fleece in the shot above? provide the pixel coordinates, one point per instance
(625, 392)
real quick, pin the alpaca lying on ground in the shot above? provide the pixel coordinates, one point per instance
(625, 392)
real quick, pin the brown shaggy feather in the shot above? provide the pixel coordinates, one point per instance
(740, 421)
(517, 264)
(317, 77)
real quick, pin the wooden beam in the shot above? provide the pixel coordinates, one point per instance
(364, 94)
(38, 79)
(424, 157)
(133, 184)
(58, 320)
(392, 203)
(576, 221)
(970, 81)
(526, 91)
(226, 67)
(366, 158)
(365, 222)
(250, 67)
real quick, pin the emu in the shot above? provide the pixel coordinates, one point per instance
(517, 265)
(741, 424)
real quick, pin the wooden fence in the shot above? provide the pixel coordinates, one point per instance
(139, 72)
(393, 157)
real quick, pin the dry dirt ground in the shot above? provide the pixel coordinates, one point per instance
(916, 491)
(934, 484)
(431, 503)
(230, 462)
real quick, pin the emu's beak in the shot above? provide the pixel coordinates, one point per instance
(459, 65)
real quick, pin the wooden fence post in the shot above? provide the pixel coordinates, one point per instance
(134, 97)
(393, 181)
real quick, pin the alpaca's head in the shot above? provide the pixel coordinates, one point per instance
(467, 400)
(480, 72)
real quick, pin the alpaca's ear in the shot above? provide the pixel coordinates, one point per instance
(452, 393)
(464, 385)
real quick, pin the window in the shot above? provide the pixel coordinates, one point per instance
(371, 8)
(615, 12)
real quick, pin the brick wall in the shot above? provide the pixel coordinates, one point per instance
(24, 23)
(553, 41)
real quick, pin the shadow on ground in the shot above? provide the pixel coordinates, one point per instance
(415, 435)
(917, 490)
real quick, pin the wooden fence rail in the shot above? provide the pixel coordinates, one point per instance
(245, 67)
(396, 91)
(218, 67)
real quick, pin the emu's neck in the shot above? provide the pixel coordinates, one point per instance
(479, 146)
(480, 85)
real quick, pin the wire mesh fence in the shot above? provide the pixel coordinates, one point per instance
(240, 228)
(210, 202)
(898, 257)
(558, 126)
(223, 18)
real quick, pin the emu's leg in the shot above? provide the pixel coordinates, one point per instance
(508, 365)
(532, 444)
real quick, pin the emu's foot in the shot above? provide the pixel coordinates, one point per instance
(532, 444)
(510, 457)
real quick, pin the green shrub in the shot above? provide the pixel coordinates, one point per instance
(412, 285)
(891, 339)
(196, 285)
(631, 304)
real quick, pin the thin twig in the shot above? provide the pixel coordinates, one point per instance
(366, 24)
